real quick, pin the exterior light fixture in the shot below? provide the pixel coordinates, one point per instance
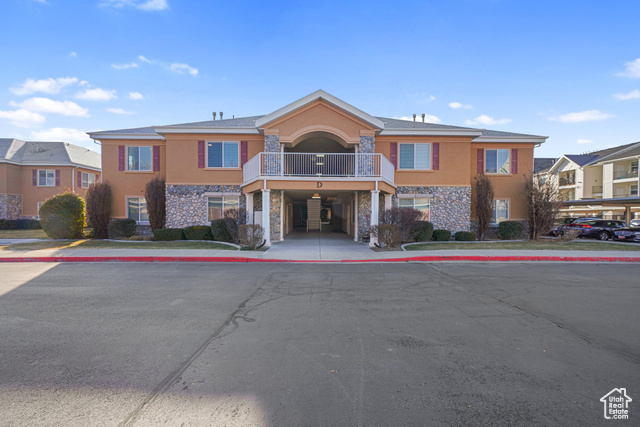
(315, 196)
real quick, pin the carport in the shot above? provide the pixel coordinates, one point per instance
(591, 206)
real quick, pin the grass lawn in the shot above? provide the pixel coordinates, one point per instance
(101, 244)
(23, 234)
(576, 245)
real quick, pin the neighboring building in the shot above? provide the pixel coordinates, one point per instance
(317, 148)
(33, 171)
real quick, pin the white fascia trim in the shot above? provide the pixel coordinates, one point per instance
(47, 164)
(173, 130)
(319, 94)
(622, 159)
(557, 163)
(511, 139)
(125, 136)
(429, 132)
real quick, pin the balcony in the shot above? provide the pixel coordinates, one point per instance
(564, 182)
(348, 166)
(625, 174)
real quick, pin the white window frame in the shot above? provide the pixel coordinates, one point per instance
(139, 147)
(38, 211)
(430, 157)
(46, 177)
(497, 172)
(494, 219)
(223, 197)
(237, 143)
(138, 220)
(413, 203)
(87, 175)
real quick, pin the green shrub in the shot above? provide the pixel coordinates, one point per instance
(19, 224)
(121, 228)
(220, 231)
(441, 235)
(7, 224)
(198, 232)
(465, 236)
(423, 231)
(62, 216)
(166, 234)
(250, 236)
(510, 230)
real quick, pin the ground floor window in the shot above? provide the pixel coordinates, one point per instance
(418, 203)
(137, 209)
(220, 204)
(500, 211)
(88, 179)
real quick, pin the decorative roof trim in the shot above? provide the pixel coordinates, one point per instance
(53, 164)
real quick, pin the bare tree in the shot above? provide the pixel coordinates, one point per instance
(98, 200)
(154, 192)
(484, 204)
(408, 221)
(543, 205)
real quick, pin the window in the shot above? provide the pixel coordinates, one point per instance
(46, 178)
(500, 211)
(419, 203)
(137, 209)
(634, 190)
(219, 205)
(496, 161)
(222, 155)
(139, 158)
(87, 179)
(415, 156)
(39, 204)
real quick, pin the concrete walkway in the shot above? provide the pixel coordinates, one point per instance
(315, 245)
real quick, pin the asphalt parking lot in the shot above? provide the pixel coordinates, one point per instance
(317, 344)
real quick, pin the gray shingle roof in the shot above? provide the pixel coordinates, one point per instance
(47, 152)
(408, 124)
(497, 133)
(240, 122)
(582, 159)
(629, 150)
(542, 164)
(143, 131)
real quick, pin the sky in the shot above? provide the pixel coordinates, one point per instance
(569, 70)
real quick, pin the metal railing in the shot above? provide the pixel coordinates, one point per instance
(625, 174)
(346, 165)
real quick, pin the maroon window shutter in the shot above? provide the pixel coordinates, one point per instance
(480, 160)
(514, 161)
(436, 156)
(79, 181)
(244, 152)
(200, 154)
(34, 179)
(156, 158)
(57, 177)
(120, 157)
(394, 154)
(97, 178)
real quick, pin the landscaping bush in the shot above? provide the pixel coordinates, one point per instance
(154, 194)
(62, 216)
(408, 221)
(510, 230)
(219, 231)
(19, 224)
(484, 204)
(167, 234)
(7, 224)
(99, 209)
(388, 235)
(465, 236)
(250, 235)
(198, 232)
(234, 218)
(423, 231)
(441, 235)
(121, 228)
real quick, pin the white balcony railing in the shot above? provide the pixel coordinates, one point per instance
(345, 165)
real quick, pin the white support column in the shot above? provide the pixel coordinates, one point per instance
(375, 213)
(249, 207)
(387, 201)
(355, 216)
(281, 215)
(266, 217)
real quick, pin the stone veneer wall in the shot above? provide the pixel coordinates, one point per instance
(364, 213)
(274, 214)
(10, 206)
(367, 144)
(450, 207)
(187, 204)
(272, 143)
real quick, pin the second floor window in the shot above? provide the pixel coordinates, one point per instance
(139, 158)
(223, 155)
(496, 161)
(415, 156)
(46, 178)
(88, 179)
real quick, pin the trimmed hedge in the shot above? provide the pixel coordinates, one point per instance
(167, 234)
(62, 216)
(198, 232)
(441, 235)
(220, 231)
(510, 230)
(121, 228)
(20, 224)
(423, 231)
(465, 236)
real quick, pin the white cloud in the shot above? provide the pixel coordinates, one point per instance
(73, 54)
(583, 116)
(50, 85)
(22, 117)
(483, 119)
(457, 105)
(124, 66)
(428, 118)
(181, 68)
(96, 94)
(64, 134)
(143, 59)
(119, 111)
(46, 105)
(147, 5)
(135, 95)
(634, 94)
(633, 70)
(584, 141)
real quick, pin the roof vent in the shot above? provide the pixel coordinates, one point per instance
(214, 115)
(414, 117)
(423, 117)
(220, 115)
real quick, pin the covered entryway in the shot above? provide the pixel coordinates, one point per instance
(319, 245)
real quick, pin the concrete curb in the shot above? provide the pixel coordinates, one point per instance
(435, 258)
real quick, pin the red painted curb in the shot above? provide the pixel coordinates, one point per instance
(434, 258)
